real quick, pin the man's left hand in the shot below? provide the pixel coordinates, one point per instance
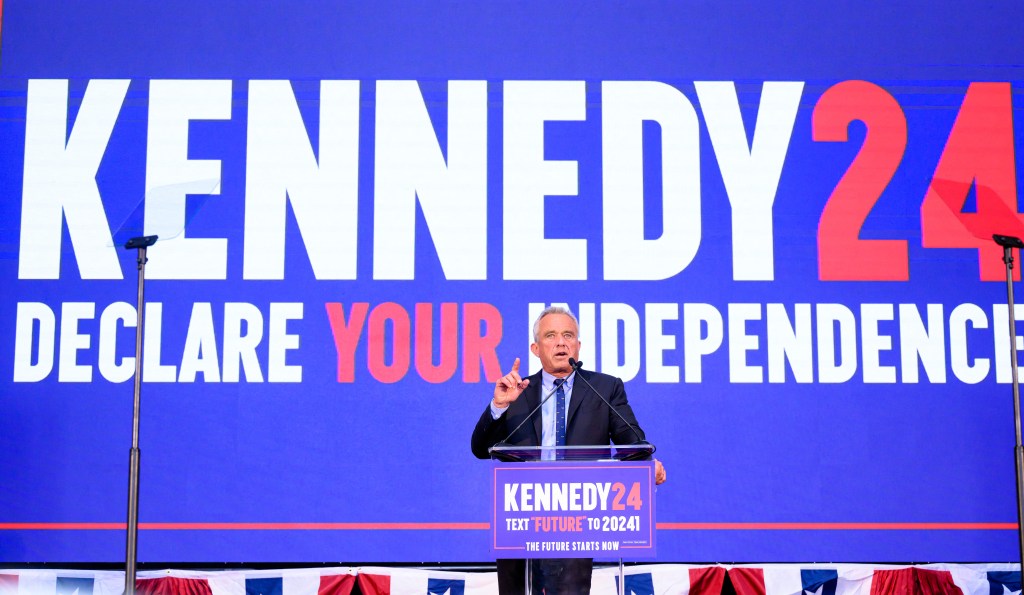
(659, 473)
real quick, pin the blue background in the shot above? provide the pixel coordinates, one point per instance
(325, 452)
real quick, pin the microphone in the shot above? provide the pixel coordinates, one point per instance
(1007, 241)
(576, 365)
(527, 418)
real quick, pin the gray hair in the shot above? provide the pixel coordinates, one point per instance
(553, 310)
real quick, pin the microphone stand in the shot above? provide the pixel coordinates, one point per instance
(131, 556)
(530, 415)
(1009, 243)
(576, 365)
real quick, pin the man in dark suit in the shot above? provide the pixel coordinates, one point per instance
(575, 417)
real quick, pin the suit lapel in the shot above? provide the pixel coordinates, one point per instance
(532, 394)
(579, 392)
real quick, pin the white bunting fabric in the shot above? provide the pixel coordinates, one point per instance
(387, 581)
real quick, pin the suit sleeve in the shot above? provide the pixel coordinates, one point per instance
(619, 431)
(488, 432)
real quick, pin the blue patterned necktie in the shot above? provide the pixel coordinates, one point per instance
(559, 416)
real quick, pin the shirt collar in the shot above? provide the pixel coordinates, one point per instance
(548, 381)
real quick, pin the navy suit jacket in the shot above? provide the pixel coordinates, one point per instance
(588, 422)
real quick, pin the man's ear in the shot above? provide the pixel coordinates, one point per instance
(535, 349)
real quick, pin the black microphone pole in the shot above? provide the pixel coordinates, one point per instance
(527, 418)
(1009, 243)
(131, 555)
(576, 365)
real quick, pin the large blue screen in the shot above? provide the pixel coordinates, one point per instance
(774, 222)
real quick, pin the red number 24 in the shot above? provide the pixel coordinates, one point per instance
(979, 152)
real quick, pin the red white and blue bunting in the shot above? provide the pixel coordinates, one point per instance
(653, 579)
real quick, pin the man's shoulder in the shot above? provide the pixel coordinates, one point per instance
(599, 377)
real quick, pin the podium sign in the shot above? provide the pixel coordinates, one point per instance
(573, 509)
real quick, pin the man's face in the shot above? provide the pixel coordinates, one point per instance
(557, 341)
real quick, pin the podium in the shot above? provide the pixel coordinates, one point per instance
(559, 502)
